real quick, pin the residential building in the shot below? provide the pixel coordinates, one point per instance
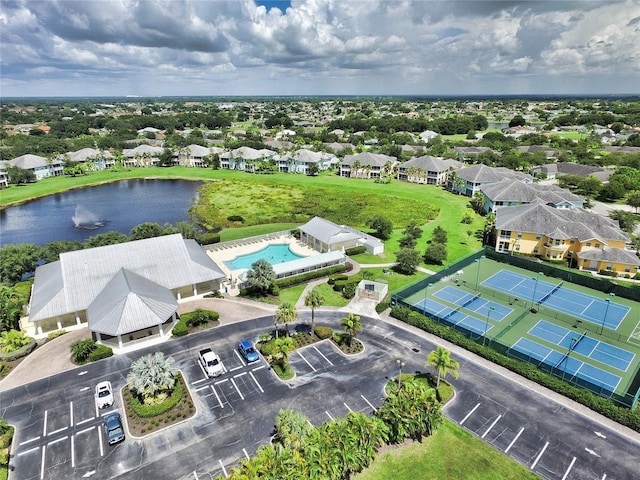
(548, 151)
(195, 155)
(509, 193)
(594, 241)
(367, 165)
(325, 236)
(245, 158)
(125, 293)
(427, 169)
(142, 156)
(554, 170)
(467, 181)
(4, 177)
(101, 160)
(300, 161)
(40, 166)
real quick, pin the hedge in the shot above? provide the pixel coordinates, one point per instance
(199, 317)
(21, 352)
(334, 278)
(180, 329)
(599, 404)
(100, 352)
(208, 238)
(305, 277)
(355, 251)
(146, 411)
(323, 332)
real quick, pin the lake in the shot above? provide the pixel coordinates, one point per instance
(117, 206)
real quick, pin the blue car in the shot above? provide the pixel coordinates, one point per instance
(113, 428)
(248, 351)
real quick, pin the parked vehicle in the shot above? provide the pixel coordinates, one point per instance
(248, 351)
(211, 363)
(113, 428)
(104, 394)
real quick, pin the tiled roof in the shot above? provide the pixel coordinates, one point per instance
(517, 191)
(613, 255)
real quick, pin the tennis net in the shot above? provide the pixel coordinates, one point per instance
(553, 290)
(467, 302)
(575, 344)
(571, 348)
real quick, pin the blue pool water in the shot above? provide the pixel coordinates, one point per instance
(274, 254)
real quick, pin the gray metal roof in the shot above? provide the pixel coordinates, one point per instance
(308, 262)
(614, 255)
(510, 190)
(30, 161)
(169, 261)
(431, 164)
(328, 232)
(129, 303)
(370, 159)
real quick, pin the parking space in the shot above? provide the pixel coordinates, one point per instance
(315, 359)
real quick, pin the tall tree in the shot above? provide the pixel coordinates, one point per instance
(407, 260)
(261, 275)
(16, 261)
(382, 226)
(152, 376)
(440, 359)
(633, 199)
(351, 325)
(314, 299)
(286, 314)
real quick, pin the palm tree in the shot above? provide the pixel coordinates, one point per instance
(10, 308)
(351, 325)
(314, 299)
(441, 360)
(261, 275)
(282, 348)
(286, 314)
(152, 376)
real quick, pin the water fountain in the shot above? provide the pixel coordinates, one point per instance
(85, 219)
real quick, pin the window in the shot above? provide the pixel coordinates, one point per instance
(538, 236)
(572, 241)
(557, 241)
(627, 268)
(588, 244)
(609, 266)
(597, 245)
(518, 247)
(536, 250)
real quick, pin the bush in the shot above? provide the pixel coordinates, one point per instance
(199, 317)
(355, 251)
(274, 290)
(180, 329)
(81, 349)
(235, 218)
(381, 307)
(208, 238)
(146, 411)
(323, 332)
(100, 352)
(349, 290)
(339, 285)
(608, 273)
(334, 278)
(305, 277)
(13, 340)
(267, 348)
(56, 334)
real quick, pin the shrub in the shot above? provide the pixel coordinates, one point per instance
(334, 278)
(13, 340)
(235, 218)
(349, 290)
(100, 352)
(381, 307)
(608, 273)
(81, 349)
(274, 290)
(199, 317)
(208, 238)
(323, 332)
(339, 285)
(180, 329)
(305, 277)
(56, 334)
(267, 348)
(146, 411)
(355, 250)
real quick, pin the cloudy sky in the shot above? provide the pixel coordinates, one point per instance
(318, 47)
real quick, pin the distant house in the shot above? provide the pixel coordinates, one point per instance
(594, 241)
(367, 165)
(101, 160)
(142, 156)
(193, 156)
(245, 158)
(469, 153)
(548, 151)
(40, 166)
(300, 161)
(325, 236)
(4, 178)
(428, 135)
(126, 293)
(555, 170)
(150, 130)
(509, 193)
(427, 169)
(337, 147)
(467, 181)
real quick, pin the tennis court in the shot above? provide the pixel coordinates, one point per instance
(454, 316)
(472, 302)
(592, 309)
(568, 365)
(600, 351)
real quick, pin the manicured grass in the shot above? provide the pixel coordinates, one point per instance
(331, 298)
(292, 294)
(255, 230)
(451, 453)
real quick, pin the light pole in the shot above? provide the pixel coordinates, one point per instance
(564, 370)
(486, 325)
(424, 303)
(400, 365)
(535, 287)
(477, 260)
(606, 310)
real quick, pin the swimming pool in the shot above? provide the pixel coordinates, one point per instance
(274, 254)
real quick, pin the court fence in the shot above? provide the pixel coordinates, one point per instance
(398, 299)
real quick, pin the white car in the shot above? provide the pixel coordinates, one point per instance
(104, 394)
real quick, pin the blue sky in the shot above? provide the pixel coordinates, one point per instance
(319, 47)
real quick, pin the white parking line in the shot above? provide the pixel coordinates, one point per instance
(491, 426)
(199, 381)
(224, 470)
(348, 407)
(514, 440)
(73, 453)
(202, 388)
(221, 381)
(29, 441)
(195, 475)
(328, 415)
(236, 368)
(322, 355)
(246, 454)
(216, 394)
(302, 357)
(70, 414)
(604, 477)
(368, 403)
(44, 449)
(58, 440)
(58, 431)
(27, 451)
(100, 440)
(257, 384)
(44, 429)
(237, 389)
(566, 474)
(258, 368)
(83, 421)
(240, 375)
(469, 414)
(535, 462)
(240, 357)
(86, 430)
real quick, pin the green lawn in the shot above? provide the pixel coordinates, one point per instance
(451, 453)
(292, 294)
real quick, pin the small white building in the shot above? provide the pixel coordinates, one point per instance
(325, 236)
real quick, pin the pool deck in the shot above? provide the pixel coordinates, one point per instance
(228, 253)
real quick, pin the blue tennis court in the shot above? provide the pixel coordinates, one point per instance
(568, 364)
(611, 355)
(592, 309)
(453, 316)
(496, 311)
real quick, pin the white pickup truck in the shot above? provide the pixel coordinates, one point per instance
(210, 363)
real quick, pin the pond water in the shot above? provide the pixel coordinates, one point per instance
(81, 213)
